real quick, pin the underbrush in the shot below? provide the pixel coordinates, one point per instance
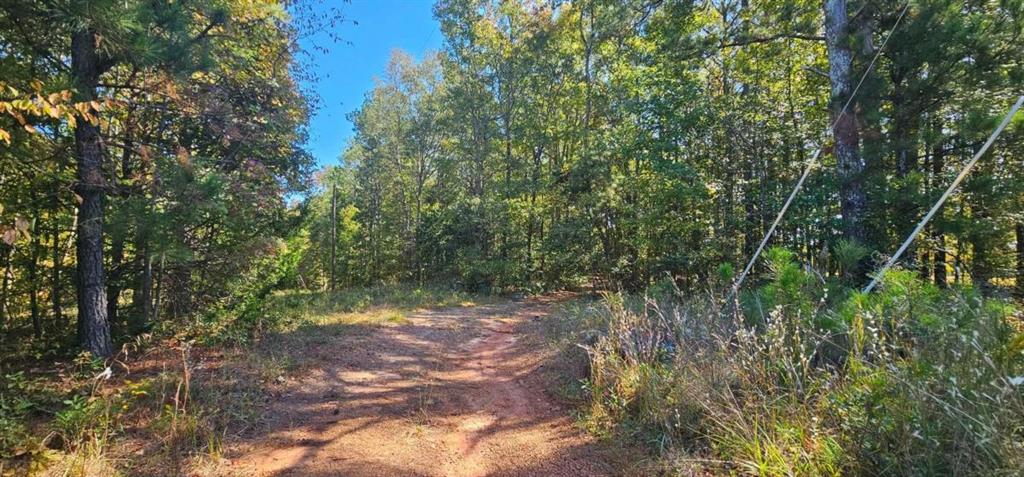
(809, 378)
(164, 414)
(287, 310)
(167, 402)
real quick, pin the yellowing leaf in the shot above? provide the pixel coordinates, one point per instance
(183, 157)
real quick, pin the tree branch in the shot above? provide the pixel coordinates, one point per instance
(769, 39)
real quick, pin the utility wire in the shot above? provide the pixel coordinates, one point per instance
(949, 191)
(814, 159)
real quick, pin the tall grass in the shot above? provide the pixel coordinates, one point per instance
(205, 383)
(807, 378)
(286, 310)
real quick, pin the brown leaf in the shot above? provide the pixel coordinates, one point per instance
(184, 158)
(21, 224)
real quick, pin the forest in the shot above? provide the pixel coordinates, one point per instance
(620, 142)
(159, 204)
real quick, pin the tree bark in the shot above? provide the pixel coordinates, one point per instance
(180, 290)
(57, 257)
(981, 271)
(8, 258)
(94, 329)
(334, 234)
(850, 165)
(114, 280)
(144, 299)
(1019, 230)
(939, 264)
(158, 298)
(55, 271)
(33, 275)
(115, 283)
(904, 132)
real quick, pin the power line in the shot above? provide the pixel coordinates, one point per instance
(814, 159)
(949, 191)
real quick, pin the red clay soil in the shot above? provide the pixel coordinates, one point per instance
(453, 392)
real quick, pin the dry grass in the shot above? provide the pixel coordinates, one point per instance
(909, 381)
(168, 404)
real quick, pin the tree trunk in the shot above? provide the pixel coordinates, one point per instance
(958, 262)
(55, 288)
(33, 275)
(114, 280)
(538, 154)
(981, 272)
(180, 291)
(981, 241)
(334, 234)
(144, 299)
(906, 164)
(939, 265)
(158, 301)
(1019, 230)
(8, 258)
(115, 283)
(853, 201)
(94, 329)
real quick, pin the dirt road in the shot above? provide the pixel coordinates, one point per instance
(451, 392)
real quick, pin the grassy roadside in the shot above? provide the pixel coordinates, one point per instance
(167, 402)
(808, 378)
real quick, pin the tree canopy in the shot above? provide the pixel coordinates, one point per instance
(554, 143)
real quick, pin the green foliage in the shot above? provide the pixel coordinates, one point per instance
(911, 380)
(83, 420)
(202, 123)
(553, 145)
(15, 407)
(288, 309)
(241, 315)
(628, 145)
(850, 255)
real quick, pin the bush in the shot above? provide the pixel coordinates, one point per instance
(813, 379)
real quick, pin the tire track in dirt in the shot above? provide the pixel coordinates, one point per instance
(454, 392)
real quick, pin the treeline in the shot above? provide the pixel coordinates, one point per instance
(550, 143)
(148, 149)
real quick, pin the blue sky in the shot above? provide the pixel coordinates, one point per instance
(347, 71)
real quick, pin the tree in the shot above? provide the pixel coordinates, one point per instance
(169, 97)
(850, 165)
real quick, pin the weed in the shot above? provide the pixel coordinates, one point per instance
(811, 379)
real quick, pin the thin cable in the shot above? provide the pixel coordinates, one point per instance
(778, 218)
(949, 191)
(814, 159)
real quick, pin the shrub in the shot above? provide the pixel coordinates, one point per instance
(812, 379)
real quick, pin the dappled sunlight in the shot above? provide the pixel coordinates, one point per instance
(449, 392)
